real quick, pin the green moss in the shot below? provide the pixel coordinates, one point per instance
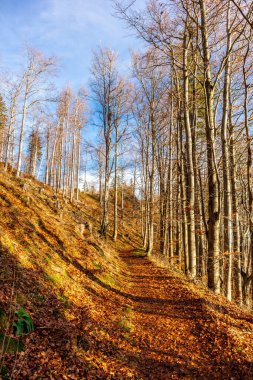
(127, 309)
(51, 279)
(64, 300)
(97, 265)
(139, 252)
(47, 259)
(108, 280)
(98, 249)
(8, 244)
(126, 325)
(56, 278)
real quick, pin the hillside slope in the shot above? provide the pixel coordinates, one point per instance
(100, 309)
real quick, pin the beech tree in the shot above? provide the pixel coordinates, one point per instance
(37, 68)
(152, 85)
(202, 159)
(13, 91)
(3, 122)
(34, 151)
(63, 143)
(110, 94)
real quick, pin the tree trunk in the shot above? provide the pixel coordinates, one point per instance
(227, 195)
(190, 167)
(213, 180)
(115, 230)
(21, 137)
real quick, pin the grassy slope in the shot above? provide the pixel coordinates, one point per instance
(58, 276)
(88, 302)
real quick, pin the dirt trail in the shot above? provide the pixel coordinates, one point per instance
(174, 333)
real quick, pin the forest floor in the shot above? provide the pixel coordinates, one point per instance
(103, 310)
(180, 333)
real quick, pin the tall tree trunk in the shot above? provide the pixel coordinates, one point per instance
(115, 230)
(150, 246)
(190, 166)
(21, 137)
(105, 211)
(227, 195)
(184, 203)
(78, 161)
(249, 163)
(9, 132)
(47, 157)
(235, 213)
(170, 187)
(213, 180)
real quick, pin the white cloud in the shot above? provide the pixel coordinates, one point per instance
(69, 29)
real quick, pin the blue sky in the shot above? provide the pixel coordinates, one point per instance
(68, 29)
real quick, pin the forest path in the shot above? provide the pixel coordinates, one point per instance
(173, 331)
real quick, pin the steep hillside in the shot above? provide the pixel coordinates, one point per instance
(100, 309)
(53, 266)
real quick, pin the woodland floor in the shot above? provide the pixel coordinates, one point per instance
(154, 326)
(174, 334)
(101, 309)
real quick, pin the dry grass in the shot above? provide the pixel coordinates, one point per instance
(54, 269)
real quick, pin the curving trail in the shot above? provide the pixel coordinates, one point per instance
(177, 333)
(146, 324)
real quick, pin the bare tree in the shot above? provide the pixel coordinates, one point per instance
(37, 67)
(106, 89)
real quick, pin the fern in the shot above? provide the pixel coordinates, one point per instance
(24, 324)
